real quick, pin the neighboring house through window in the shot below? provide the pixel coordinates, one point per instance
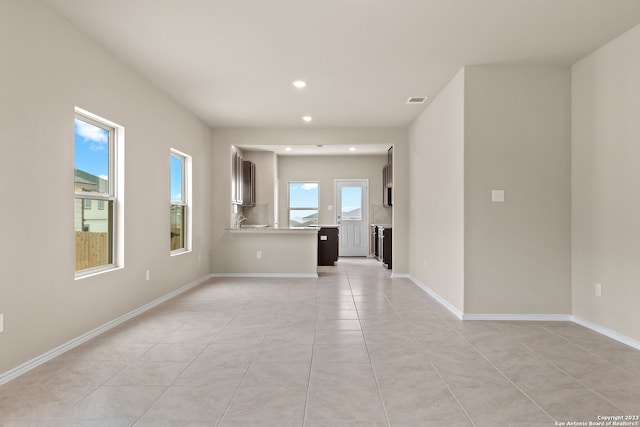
(96, 176)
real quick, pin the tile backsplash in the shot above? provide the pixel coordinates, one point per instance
(381, 215)
(261, 213)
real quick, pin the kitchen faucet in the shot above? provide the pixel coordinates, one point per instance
(239, 220)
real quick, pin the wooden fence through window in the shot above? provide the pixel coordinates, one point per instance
(92, 249)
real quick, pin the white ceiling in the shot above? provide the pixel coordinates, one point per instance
(231, 62)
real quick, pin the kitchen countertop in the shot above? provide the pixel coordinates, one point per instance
(250, 228)
(273, 230)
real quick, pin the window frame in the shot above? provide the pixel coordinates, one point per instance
(290, 209)
(114, 195)
(186, 193)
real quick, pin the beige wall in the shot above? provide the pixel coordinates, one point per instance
(494, 128)
(517, 139)
(436, 245)
(48, 69)
(225, 250)
(606, 184)
(326, 169)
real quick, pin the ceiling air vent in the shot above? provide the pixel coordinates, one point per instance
(416, 100)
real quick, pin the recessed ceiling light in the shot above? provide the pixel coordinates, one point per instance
(287, 149)
(352, 148)
(307, 118)
(299, 83)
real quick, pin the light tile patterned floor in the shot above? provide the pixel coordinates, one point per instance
(351, 348)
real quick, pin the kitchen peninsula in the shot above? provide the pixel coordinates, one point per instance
(270, 251)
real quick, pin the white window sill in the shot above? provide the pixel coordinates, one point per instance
(95, 272)
(180, 252)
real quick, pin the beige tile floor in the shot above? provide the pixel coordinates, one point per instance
(351, 348)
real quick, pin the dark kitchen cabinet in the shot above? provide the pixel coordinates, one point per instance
(373, 240)
(248, 183)
(387, 180)
(243, 181)
(385, 245)
(236, 179)
(327, 245)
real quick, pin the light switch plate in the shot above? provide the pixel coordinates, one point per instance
(1, 322)
(497, 195)
(330, 207)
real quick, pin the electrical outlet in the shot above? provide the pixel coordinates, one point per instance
(259, 255)
(598, 290)
(1, 323)
(148, 275)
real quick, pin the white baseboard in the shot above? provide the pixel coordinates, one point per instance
(530, 317)
(267, 275)
(437, 297)
(524, 317)
(51, 354)
(606, 332)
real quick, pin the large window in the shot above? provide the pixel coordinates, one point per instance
(96, 192)
(180, 166)
(303, 204)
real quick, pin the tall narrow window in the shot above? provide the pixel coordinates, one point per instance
(95, 185)
(180, 167)
(303, 204)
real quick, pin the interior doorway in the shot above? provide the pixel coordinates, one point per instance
(352, 215)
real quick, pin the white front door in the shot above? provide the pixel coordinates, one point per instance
(352, 215)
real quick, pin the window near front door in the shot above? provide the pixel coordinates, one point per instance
(303, 204)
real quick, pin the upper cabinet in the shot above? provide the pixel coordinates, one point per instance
(235, 197)
(248, 183)
(387, 180)
(243, 181)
